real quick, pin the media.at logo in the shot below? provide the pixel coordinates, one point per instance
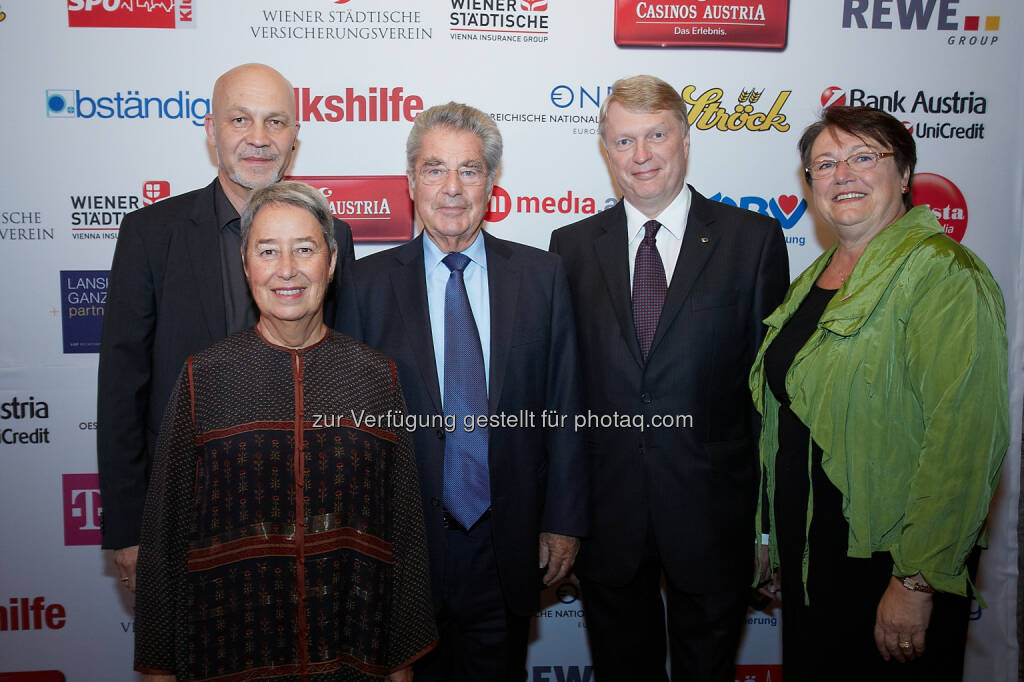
(924, 15)
(944, 199)
(131, 13)
(83, 509)
(501, 204)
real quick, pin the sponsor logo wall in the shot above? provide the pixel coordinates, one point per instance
(110, 120)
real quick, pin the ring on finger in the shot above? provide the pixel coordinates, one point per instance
(904, 644)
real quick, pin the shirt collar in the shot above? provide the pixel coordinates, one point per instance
(223, 209)
(432, 255)
(673, 218)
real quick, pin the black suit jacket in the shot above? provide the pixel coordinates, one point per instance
(538, 476)
(695, 484)
(165, 302)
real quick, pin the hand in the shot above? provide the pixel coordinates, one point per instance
(769, 583)
(902, 616)
(125, 560)
(403, 675)
(557, 552)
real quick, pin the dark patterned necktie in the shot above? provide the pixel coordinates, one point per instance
(649, 287)
(467, 490)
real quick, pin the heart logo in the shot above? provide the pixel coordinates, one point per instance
(788, 203)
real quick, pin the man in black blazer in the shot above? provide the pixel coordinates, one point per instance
(484, 567)
(669, 290)
(177, 286)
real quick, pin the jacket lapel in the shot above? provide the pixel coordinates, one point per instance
(202, 239)
(410, 288)
(612, 249)
(698, 245)
(503, 293)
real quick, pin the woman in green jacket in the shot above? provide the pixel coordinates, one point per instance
(882, 384)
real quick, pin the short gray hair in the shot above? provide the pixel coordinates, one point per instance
(456, 117)
(292, 194)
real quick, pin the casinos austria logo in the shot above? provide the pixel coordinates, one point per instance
(376, 207)
(715, 23)
(131, 13)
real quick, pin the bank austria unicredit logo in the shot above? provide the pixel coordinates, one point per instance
(376, 207)
(131, 13)
(926, 113)
(975, 28)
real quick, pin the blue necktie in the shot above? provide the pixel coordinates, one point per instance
(467, 489)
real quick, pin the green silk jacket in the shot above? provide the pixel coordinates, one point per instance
(904, 387)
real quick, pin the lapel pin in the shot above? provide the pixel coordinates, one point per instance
(704, 239)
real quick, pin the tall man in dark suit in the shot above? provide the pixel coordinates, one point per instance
(480, 327)
(669, 290)
(177, 286)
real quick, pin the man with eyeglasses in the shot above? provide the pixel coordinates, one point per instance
(481, 331)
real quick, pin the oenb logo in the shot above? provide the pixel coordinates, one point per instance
(944, 199)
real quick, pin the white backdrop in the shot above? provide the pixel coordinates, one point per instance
(98, 120)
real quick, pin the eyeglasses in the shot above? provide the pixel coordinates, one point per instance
(468, 175)
(861, 161)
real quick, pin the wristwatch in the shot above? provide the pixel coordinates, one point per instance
(915, 586)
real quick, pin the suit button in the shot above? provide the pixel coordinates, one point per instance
(440, 434)
(434, 502)
(645, 398)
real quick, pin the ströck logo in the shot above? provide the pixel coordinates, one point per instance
(128, 104)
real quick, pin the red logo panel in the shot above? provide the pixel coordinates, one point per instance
(376, 207)
(130, 13)
(944, 199)
(704, 23)
(759, 673)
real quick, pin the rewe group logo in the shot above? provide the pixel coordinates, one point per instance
(131, 13)
(82, 509)
(944, 199)
(976, 30)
